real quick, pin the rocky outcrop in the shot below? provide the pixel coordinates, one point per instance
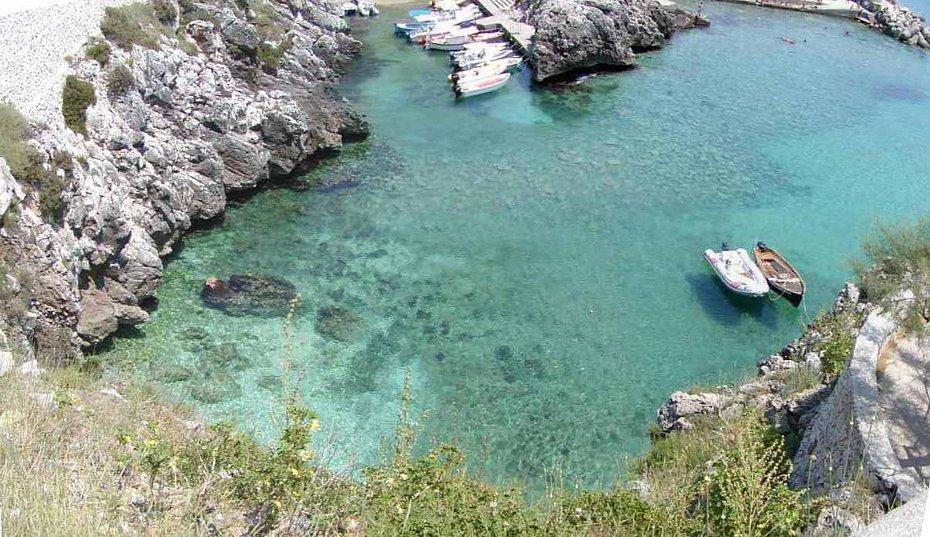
(849, 437)
(790, 408)
(203, 115)
(573, 35)
(896, 21)
(836, 420)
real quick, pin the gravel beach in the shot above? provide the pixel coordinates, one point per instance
(35, 37)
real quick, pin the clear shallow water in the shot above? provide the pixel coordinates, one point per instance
(533, 258)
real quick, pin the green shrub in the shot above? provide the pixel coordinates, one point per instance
(50, 202)
(165, 12)
(266, 20)
(132, 24)
(119, 80)
(838, 340)
(898, 259)
(192, 11)
(746, 493)
(76, 97)
(99, 51)
(24, 160)
(616, 512)
(434, 495)
(270, 56)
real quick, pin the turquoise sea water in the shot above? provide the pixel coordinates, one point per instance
(532, 258)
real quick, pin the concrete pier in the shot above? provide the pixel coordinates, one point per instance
(499, 17)
(835, 8)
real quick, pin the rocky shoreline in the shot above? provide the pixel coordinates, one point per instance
(828, 414)
(226, 99)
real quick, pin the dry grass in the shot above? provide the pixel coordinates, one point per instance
(67, 471)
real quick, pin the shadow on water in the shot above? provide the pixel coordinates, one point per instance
(726, 307)
(901, 92)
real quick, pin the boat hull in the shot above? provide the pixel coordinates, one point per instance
(782, 277)
(431, 45)
(481, 87)
(754, 287)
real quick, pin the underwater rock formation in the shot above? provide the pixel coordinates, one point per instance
(263, 296)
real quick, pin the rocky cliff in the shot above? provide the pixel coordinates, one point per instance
(573, 35)
(222, 96)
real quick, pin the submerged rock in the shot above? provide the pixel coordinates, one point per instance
(336, 322)
(264, 296)
(214, 388)
(173, 373)
(224, 356)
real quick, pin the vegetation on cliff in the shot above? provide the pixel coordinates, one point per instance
(84, 458)
(896, 265)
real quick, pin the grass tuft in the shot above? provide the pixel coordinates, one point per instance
(132, 24)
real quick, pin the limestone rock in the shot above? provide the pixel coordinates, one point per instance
(245, 164)
(30, 369)
(10, 191)
(98, 317)
(579, 34)
(674, 414)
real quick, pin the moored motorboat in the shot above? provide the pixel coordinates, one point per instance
(463, 64)
(489, 69)
(781, 276)
(447, 43)
(482, 86)
(405, 27)
(737, 272)
(459, 39)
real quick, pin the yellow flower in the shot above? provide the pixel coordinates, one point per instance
(295, 471)
(150, 442)
(314, 424)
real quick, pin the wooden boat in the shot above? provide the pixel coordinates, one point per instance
(783, 278)
(482, 86)
(737, 272)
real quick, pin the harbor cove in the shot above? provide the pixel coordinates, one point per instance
(422, 268)
(531, 259)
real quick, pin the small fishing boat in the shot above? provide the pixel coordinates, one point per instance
(783, 278)
(464, 64)
(491, 69)
(737, 272)
(466, 14)
(405, 27)
(473, 48)
(452, 42)
(482, 86)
